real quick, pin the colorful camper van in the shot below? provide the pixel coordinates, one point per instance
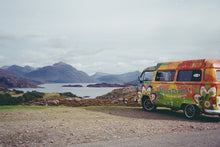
(192, 85)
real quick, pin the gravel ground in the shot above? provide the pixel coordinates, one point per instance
(66, 126)
(206, 138)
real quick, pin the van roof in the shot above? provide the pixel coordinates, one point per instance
(189, 64)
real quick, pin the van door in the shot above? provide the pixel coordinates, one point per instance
(144, 83)
(163, 85)
(188, 84)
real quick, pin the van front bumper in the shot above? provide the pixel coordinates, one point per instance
(208, 111)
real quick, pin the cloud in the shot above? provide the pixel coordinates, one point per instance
(108, 36)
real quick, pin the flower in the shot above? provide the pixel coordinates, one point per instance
(143, 89)
(205, 97)
(153, 97)
(149, 89)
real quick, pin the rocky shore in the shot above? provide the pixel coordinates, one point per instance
(111, 85)
(118, 97)
(72, 86)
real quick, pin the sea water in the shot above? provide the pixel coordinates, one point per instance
(86, 92)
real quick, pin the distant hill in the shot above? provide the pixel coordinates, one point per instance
(60, 73)
(65, 73)
(19, 69)
(10, 79)
(117, 78)
(99, 74)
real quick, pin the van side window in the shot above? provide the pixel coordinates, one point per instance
(165, 75)
(189, 75)
(218, 75)
(147, 76)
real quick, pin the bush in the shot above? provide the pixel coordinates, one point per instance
(7, 99)
(4, 89)
(18, 91)
(69, 94)
(29, 96)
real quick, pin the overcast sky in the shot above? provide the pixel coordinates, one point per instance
(112, 36)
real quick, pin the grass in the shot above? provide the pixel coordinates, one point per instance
(49, 95)
(21, 107)
(111, 107)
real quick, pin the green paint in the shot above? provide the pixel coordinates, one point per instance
(207, 85)
(165, 63)
(152, 68)
(197, 90)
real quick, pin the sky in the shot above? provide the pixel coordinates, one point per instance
(111, 36)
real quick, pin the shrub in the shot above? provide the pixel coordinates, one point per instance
(4, 89)
(29, 96)
(7, 99)
(18, 91)
(69, 94)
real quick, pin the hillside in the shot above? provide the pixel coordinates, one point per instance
(10, 79)
(117, 78)
(19, 69)
(65, 73)
(59, 73)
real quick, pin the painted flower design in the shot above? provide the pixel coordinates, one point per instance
(205, 97)
(149, 89)
(143, 90)
(153, 97)
(146, 91)
(139, 94)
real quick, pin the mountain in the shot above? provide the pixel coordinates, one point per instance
(10, 79)
(19, 69)
(11, 74)
(99, 74)
(60, 73)
(117, 78)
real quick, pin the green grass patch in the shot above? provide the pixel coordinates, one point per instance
(21, 107)
(111, 107)
(49, 95)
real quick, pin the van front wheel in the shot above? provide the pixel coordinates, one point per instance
(191, 111)
(147, 105)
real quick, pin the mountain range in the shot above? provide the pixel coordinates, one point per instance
(56, 73)
(10, 79)
(59, 73)
(129, 77)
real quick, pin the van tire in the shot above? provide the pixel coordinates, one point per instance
(148, 105)
(191, 111)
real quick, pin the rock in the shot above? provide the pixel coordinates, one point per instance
(53, 102)
(72, 86)
(119, 100)
(72, 99)
(104, 85)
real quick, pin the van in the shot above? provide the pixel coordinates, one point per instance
(191, 85)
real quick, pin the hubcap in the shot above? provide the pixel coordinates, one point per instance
(190, 111)
(148, 105)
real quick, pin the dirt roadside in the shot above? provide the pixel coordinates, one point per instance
(66, 126)
(207, 138)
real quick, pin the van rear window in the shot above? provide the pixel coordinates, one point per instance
(165, 75)
(189, 75)
(218, 75)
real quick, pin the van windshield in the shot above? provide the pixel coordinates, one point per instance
(218, 75)
(147, 76)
